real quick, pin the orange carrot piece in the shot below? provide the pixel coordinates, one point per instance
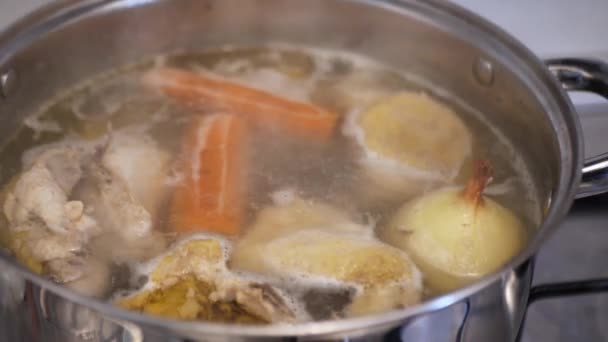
(263, 108)
(214, 161)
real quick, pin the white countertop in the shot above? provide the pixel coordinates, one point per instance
(549, 27)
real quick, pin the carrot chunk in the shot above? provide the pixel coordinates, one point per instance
(260, 107)
(211, 196)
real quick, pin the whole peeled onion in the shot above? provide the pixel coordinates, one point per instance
(456, 235)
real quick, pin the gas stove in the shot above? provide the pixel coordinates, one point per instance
(576, 252)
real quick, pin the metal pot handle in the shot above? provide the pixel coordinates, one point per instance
(582, 75)
(592, 76)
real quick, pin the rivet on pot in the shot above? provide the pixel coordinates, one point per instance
(7, 83)
(483, 70)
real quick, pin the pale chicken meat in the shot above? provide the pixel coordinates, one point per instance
(114, 248)
(123, 198)
(84, 274)
(113, 205)
(41, 193)
(46, 246)
(38, 245)
(67, 203)
(49, 229)
(141, 165)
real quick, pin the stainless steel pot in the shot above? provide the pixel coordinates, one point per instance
(69, 40)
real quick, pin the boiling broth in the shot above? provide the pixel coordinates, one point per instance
(281, 166)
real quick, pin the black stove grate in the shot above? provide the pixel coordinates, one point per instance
(563, 289)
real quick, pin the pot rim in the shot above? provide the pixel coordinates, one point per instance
(56, 14)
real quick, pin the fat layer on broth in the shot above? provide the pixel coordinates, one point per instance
(258, 143)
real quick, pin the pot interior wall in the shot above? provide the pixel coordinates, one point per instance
(423, 41)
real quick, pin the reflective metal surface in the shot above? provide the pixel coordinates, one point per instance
(7, 82)
(40, 315)
(576, 252)
(581, 74)
(591, 76)
(433, 40)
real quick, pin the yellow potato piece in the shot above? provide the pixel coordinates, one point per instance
(277, 221)
(418, 133)
(354, 260)
(452, 241)
(386, 276)
(316, 240)
(195, 256)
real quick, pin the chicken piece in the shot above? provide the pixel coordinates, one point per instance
(141, 165)
(32, 241)
(67, 269)
(42, 191)
(21, 251)
(45, 246)
(112, 204)
(85, 275)
(65, 164)
(57, 255)
(199, 266)
(111, 246)
(124, 197)
(306, 241)
(81, 222)
(15, 238)
(48, 232)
